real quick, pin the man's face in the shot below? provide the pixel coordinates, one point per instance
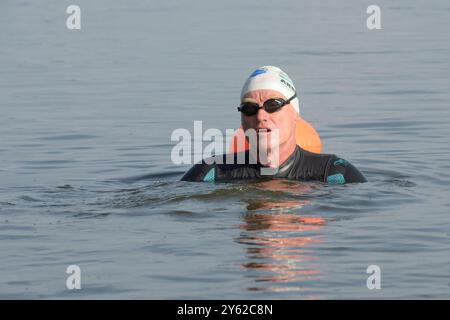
(284, 120)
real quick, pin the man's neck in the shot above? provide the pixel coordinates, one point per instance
(284, 152)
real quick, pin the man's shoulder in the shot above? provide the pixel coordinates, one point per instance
(197, 172)
(341, 171)
(319, 162)
(316, 156)
(337, 170)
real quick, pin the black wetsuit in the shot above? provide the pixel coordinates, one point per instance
(301, 165)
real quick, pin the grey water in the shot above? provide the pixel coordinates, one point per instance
(86, 176)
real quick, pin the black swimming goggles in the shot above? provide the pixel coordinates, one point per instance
(271, 105)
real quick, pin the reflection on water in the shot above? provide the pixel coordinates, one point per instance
(93, 112)
(277, 240)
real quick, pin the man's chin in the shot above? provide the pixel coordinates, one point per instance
(272, 165)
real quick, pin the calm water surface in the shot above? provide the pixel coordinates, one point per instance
(86, 176)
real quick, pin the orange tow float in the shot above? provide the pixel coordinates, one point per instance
(306, 136)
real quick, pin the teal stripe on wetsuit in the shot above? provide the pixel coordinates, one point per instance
(337, 178)
(210, 176)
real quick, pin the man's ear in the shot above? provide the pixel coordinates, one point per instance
(296, 116)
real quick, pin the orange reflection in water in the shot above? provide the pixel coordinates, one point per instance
(277, 242)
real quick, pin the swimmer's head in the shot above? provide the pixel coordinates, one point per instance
(267, 83)
(271, 78)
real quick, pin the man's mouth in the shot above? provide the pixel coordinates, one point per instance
(263, 130)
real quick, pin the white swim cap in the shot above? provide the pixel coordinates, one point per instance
(272, 78)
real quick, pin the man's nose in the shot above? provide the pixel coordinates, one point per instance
(262, 115)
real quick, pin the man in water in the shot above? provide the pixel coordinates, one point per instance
(270, 107)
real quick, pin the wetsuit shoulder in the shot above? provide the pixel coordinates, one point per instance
(341, 171)
(308, 166)
(202, 171)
